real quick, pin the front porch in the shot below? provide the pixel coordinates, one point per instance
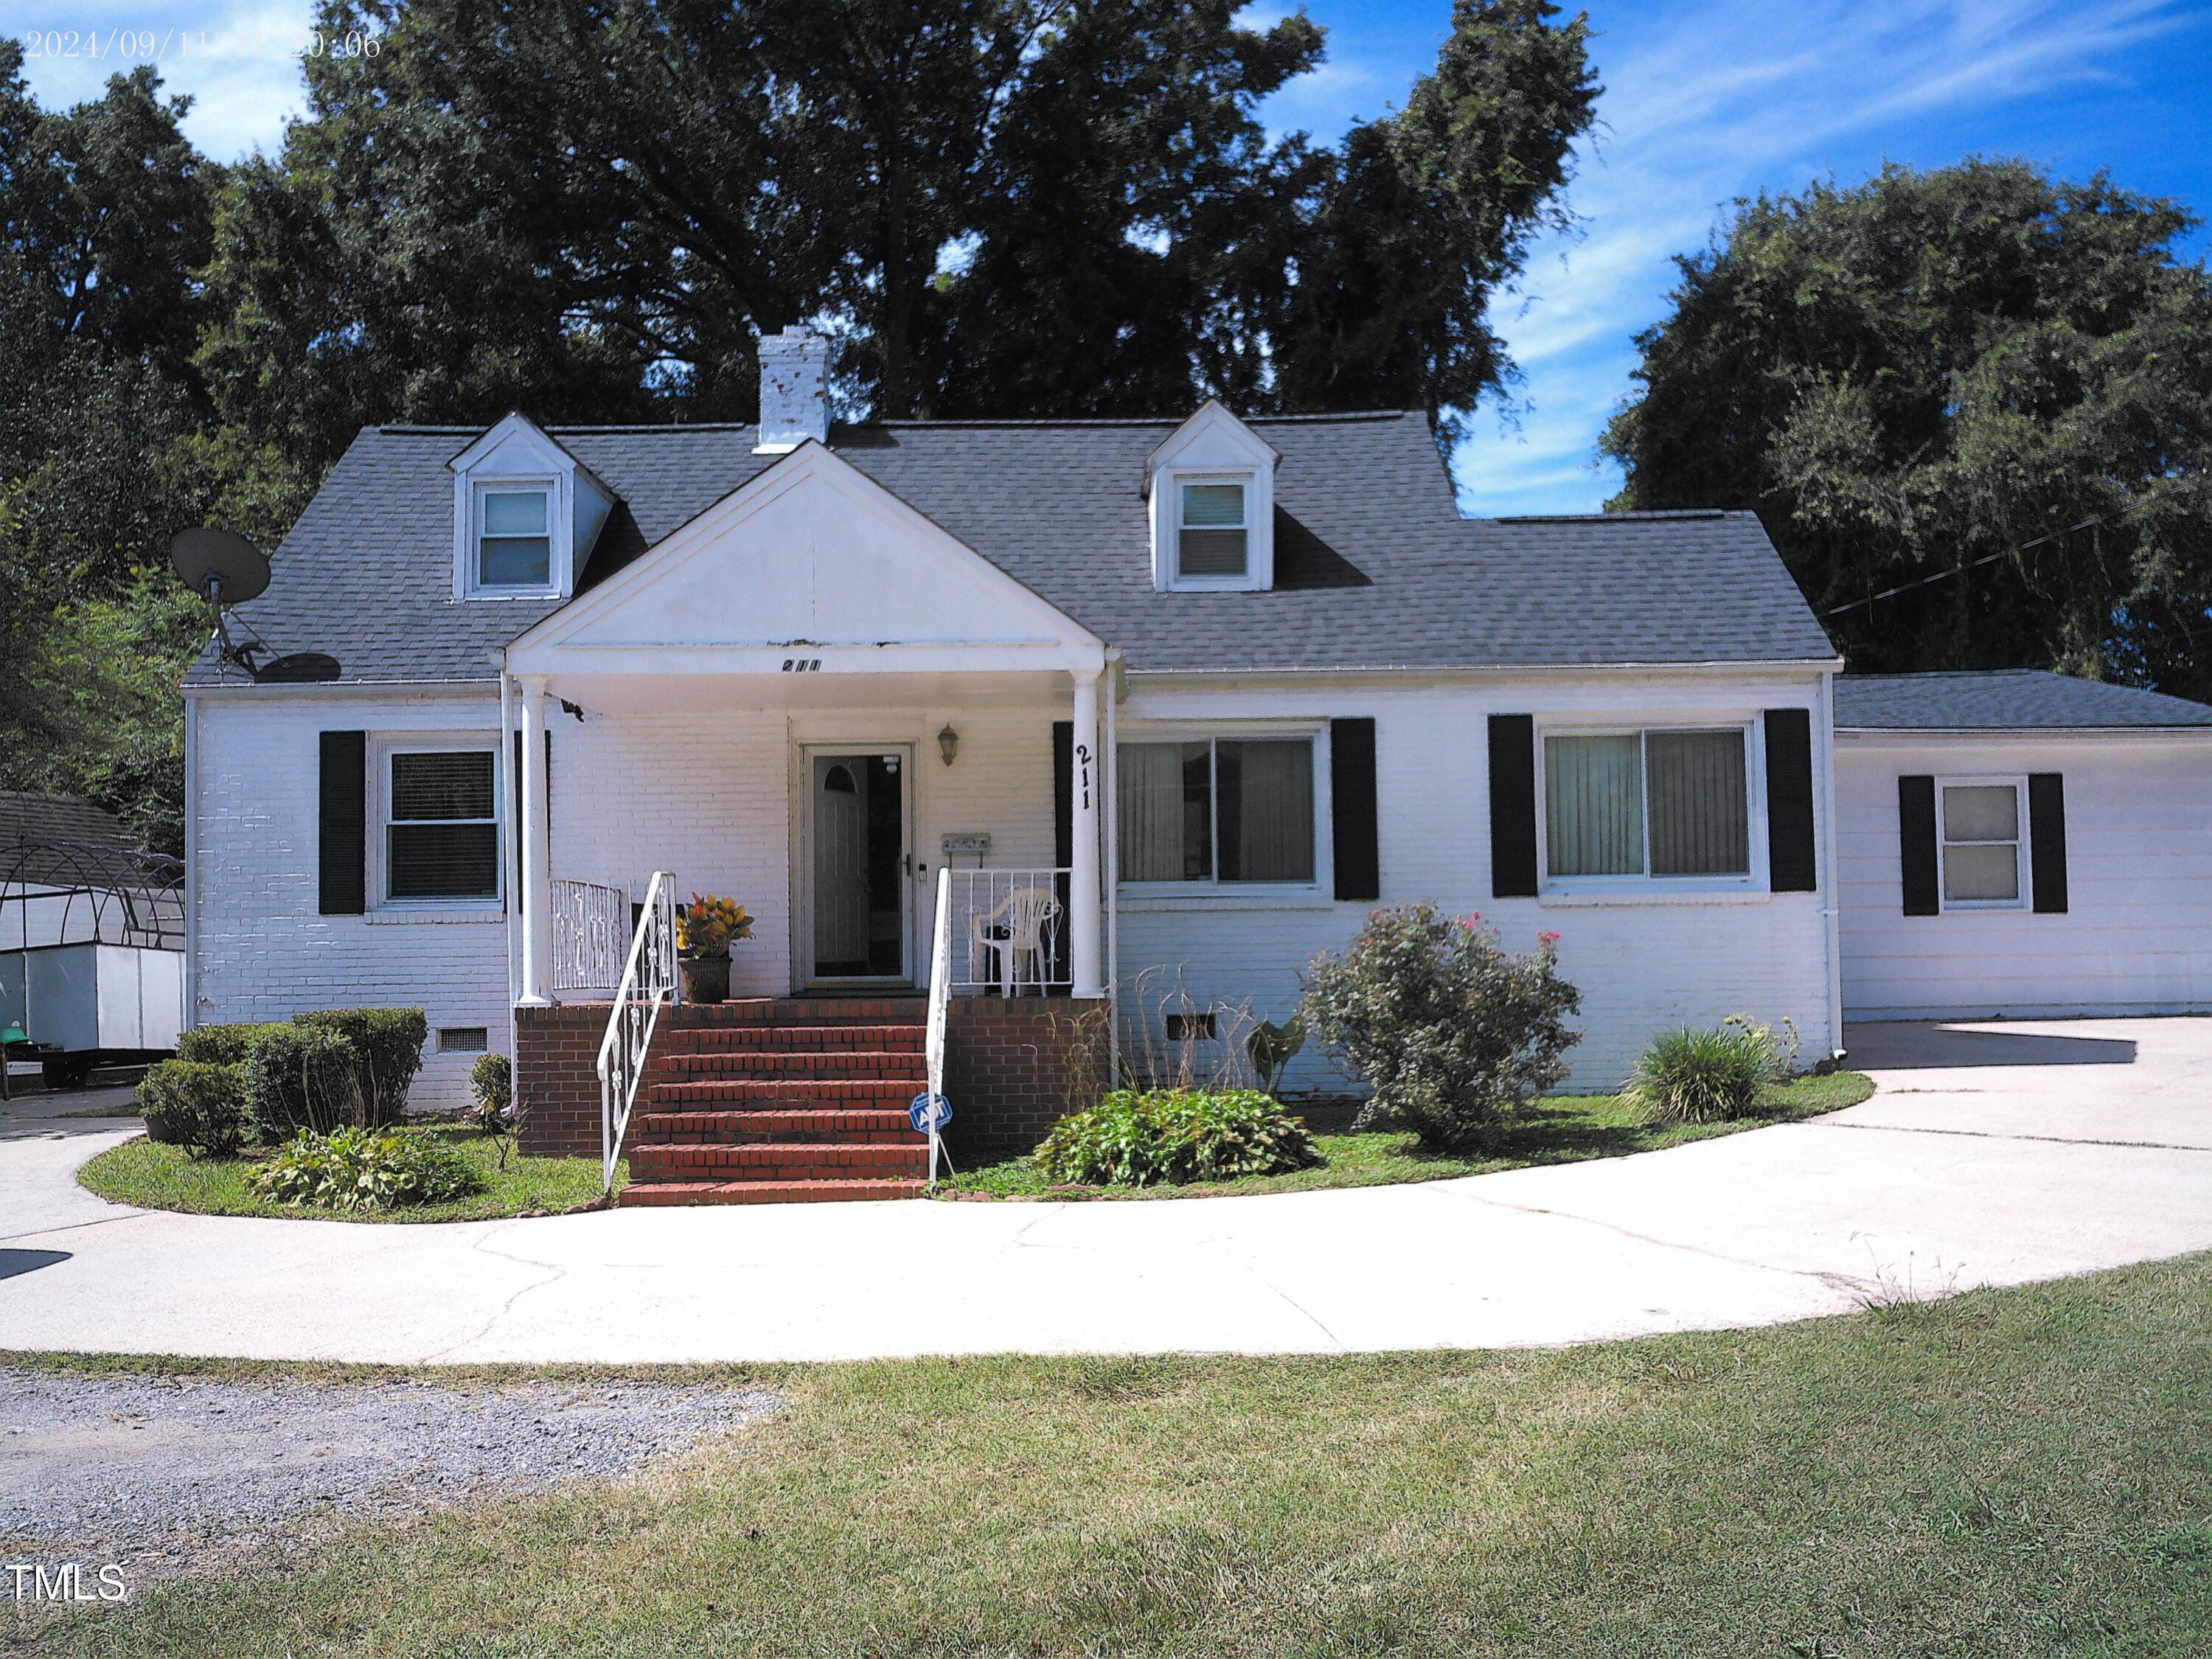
(812, 701)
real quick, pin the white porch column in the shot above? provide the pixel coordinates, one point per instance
(1083, 925)
(536, 908)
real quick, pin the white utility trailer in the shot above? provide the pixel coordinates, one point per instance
(92, 958)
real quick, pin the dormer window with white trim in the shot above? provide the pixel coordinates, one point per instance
(514, 544)
(1213, 490)
(1211, 540)
(525, 515)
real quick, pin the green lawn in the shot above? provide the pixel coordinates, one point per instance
(164, 1178)
(2017, 1473)
(1560, 1130)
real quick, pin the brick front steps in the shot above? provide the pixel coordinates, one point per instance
(788, 1101)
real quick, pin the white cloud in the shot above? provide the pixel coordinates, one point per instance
(1709, 103)
(237, 59)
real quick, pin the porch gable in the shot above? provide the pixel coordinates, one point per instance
(810, 567)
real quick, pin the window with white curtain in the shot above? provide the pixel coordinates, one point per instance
(1226, 810)
(1210, 534)
(1663, 803)
(1980, 837)
(514, 546)
(442, 824)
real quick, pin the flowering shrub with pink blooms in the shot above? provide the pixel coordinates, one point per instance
(1452, 1035)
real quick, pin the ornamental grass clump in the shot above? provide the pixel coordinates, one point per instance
(354, 1168)
(1162, 1136)
(1706, 1076)
(1452, 1035)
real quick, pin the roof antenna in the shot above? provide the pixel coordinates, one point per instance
(224, 568)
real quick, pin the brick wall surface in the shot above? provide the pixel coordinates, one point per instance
(557, 1078)
(1013, 1068)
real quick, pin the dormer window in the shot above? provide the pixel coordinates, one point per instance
(525, 515)
(1212, 506)
(1211, 540)
(514, 544)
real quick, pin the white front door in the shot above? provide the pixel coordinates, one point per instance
(855, 864)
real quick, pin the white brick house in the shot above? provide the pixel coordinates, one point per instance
(1221, 686)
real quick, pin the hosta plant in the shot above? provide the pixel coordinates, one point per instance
(1143, 1138)
(352, 1169)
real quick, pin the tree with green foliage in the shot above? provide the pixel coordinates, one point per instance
(1935, 368)
(594, 208)
(106, 449)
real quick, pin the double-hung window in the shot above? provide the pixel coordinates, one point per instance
(1218, 810)
(1213, 540)
(1663, 804)
(442, 824)
(514, 544)
(1978, 829)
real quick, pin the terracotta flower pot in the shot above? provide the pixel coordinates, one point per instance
(706, 978)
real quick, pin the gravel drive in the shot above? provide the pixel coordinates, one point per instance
(165, 1473)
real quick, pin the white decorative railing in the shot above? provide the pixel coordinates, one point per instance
(941, 988)
(1012, 926)
(590, 925)
(648, 981)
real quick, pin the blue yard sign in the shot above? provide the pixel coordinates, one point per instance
(929, 1111)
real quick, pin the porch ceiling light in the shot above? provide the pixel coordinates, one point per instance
(948, 743)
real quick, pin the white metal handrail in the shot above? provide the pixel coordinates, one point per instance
(940, 990)
(1015, 923)
(648, 981)
(591, 923)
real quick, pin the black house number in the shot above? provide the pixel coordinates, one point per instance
(1083, 772)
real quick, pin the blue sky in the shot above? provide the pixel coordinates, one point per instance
(1705, 100)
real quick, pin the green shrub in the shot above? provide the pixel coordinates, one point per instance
(491, 1086)
(221, 1045)
(358, 1169)
(387, 1044)
(1452, 1035)
(194, 1104)
(1139, 1140)
(1707, 1076)
(299, 1077)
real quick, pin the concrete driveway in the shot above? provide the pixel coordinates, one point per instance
(1993, 1153)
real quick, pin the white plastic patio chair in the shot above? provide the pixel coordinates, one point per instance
(1017, 927)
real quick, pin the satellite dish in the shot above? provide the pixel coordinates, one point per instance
(300, 668)
(221, 566)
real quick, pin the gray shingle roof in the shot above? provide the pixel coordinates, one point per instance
(1375, 567)
(76, 819)
(2006, 699)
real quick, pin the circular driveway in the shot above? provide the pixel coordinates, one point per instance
(1992, 1153)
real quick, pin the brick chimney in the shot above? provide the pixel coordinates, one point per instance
(794, 390)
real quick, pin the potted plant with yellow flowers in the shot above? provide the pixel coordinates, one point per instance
(705, 930)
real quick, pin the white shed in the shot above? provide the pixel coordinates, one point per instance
(2021, 843)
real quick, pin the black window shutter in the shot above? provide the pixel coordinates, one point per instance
(1916, 843)
(1513, 805)
(1790, 801)
(1063, 833)
(1352, 830)
(2046, 834)
(341, 885)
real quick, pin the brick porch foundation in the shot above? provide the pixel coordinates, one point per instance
(1012, 1068)
(1015, 1066)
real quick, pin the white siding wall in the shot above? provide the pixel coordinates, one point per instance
(2136, 935)
(259, 950)
(1643, 964)
(706, 795)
